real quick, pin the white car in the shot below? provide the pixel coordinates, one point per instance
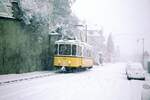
(135, 71)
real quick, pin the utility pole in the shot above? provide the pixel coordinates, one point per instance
(142, 50)
(137, 50)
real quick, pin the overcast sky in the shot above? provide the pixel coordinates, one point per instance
(127, 20)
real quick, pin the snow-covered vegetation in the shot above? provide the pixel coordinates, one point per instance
(26, 44)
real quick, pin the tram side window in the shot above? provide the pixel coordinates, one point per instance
(65, 49)
(79, 51)
(90, 53)
(74, 49)
(56, 49)
(85, 52)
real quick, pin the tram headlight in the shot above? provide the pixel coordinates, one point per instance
(59, 62)
(69, 62)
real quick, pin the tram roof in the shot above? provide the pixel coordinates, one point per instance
(71, 42)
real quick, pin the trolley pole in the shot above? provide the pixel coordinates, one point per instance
(86, 31)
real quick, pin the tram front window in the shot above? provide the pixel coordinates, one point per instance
(65, 49)
(74, 50)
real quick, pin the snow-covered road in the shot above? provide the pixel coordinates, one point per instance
(100, 83)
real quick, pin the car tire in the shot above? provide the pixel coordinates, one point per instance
(143, 79)
(128, 78)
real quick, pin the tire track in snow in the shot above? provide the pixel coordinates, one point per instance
(26, 79)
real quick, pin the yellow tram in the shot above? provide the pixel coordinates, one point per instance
(72, 54)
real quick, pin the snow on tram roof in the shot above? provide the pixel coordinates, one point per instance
(71, 42)
(67, 41)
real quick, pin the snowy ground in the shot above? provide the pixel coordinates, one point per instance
(106, 82)
(12, 77)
